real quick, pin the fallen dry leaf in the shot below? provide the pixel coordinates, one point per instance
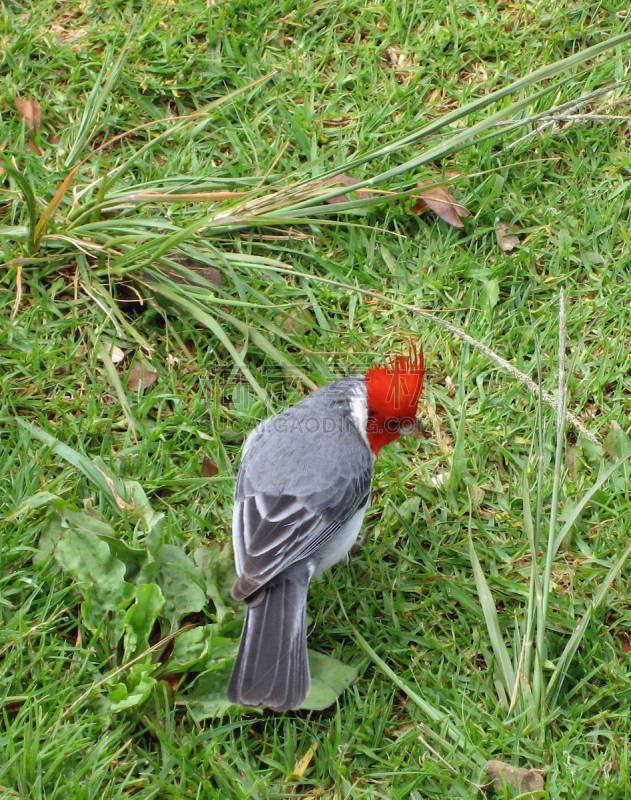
(66, 35)
(209, 274)
(507, 241)
(30, 110)
(141, 378)
(345, 180)
(303, 765)
(12, 707)
(442, 203)
(115, 354)
(520, 780)
(209, 468)
(297, 318)
(571, 460)
(625, 641)
(173, 680)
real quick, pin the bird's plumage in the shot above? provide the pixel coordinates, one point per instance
(272, 667)
(304, 473)
(300, 499)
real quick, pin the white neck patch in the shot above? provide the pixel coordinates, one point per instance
(359, 411)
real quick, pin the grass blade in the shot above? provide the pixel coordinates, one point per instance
(427, 708)
(96, 99)
(29, 196)
(211, 323)
(74, 457)
(560, 671)
(578, 508)
(502, 657)
(541, 74)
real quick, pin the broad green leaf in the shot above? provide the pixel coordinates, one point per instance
(140, 619)
(87, 523)
(36, 500)
(133, 558)
(181, 583)
(54, 530)
(200, 645)
(155, 539)
(135, 690)
(217, 566)
(190, 647)
(209, 698)
(329, 678)
(100, 578)
(142, 507)
(129, 495)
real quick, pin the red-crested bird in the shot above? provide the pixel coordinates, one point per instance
(300, 499)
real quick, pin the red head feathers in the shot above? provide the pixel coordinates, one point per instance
(393, 395)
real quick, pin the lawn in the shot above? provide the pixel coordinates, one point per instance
(144, 336)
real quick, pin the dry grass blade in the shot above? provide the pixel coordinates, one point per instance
(178, 197)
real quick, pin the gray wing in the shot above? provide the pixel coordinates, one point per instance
(304, 473)
(272, 532)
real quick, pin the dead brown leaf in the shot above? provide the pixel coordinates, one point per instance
(303, 765)
(520, 780)
(12, 707)
(173, 680)
(402, 62)
(571, 460)
(297, 319)
(209, 274)
(625, 641)
(344, 180)
(209, 468)
(65, 34)
(111, 351)
(30, 110)
(506, 236)
(442, 202)
(141, 378)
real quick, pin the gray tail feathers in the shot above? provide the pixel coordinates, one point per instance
(272, 667)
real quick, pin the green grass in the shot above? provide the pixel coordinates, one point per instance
(411, 593)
